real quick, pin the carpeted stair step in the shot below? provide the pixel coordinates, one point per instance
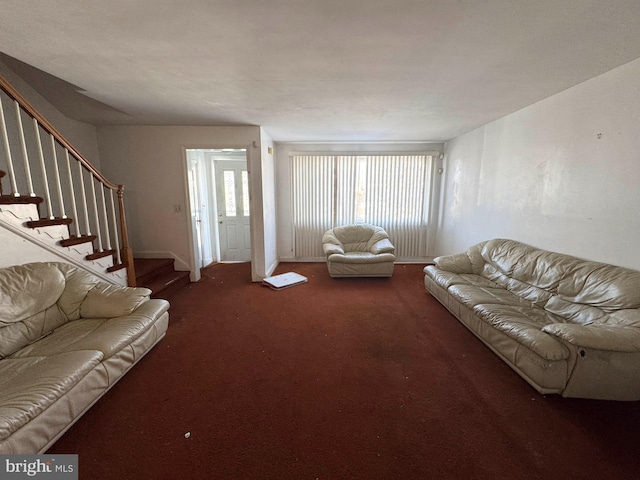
(159, 275)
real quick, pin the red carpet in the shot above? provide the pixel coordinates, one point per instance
(337, 379)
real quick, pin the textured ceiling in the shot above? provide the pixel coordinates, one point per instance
(322, 70)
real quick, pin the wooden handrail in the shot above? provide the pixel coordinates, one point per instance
(44, 123)
(127, 252)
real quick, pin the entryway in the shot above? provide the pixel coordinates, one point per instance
(218, 183)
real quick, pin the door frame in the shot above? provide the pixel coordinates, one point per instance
(189, 215)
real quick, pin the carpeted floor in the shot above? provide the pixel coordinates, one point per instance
(337, 379)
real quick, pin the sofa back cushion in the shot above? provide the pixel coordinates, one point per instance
(600, 285)
(527, 264)
(525, 271)
(78, 283)
(107, 301)
(573, 280)
(37, 298)
(28, 289)
(359, 237)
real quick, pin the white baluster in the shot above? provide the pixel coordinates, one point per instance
(95, 213)
(115, 226)
(25, 154)
(7, 149)
(107, 236)
(56, 170)
(44, 170)
(84, 201)
(74, 206)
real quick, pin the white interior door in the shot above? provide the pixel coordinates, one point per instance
(232, 187)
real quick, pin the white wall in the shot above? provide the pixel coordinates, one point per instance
(562, 174)
(81, 135)
(283, 177)
(150, 162)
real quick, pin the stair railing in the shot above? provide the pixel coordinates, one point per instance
(97, 205)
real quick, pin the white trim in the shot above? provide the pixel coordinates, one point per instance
(359, 153)
(272, 268)
(191, 263)
(302, 259)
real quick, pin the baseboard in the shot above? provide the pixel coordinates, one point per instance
(302, 260)
(272, 268)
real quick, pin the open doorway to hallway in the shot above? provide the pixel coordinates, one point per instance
(218, 184)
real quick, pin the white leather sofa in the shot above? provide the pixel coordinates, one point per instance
(65, 339)
(359, 250)
(566, 325)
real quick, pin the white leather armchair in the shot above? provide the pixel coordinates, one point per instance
(359, 250)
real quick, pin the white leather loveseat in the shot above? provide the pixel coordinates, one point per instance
(65, 338)
(359, 250)
(566, 325)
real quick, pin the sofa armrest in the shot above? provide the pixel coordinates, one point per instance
(614, 338)
(331, 248)
(109, 301)
(383, 246)
(153, 308)
(331, 244)
(457, 263)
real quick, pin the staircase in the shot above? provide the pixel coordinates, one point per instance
(21, 216)
(46, 179)
(159, 275)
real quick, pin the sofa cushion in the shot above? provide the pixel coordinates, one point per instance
(63, 288)
(17, 335)
(574, 312)
(28, 289)
(525, 324)
(528, 291)
(522, 262)
(471, 295)
(445, 279)
(458, 263)
(606, 338)
(361, 257)
(626, 317)
(28, 386)
(107, 301)
(78, 282)
(361, 238)
(108, 335)
(604, 286)
(578, 281)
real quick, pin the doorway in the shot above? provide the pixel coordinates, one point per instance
(232, 199)
(218, 182)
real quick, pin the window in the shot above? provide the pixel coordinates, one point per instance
(391, 191)
(245, 193)
(229, 179)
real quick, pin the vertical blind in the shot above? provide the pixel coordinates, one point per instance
(391, 191)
